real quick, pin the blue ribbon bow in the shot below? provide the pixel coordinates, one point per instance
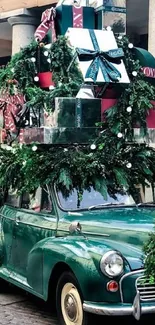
(102, 60)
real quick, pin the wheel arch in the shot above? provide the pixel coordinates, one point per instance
(57, 271)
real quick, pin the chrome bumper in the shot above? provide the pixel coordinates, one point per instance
(121, 309)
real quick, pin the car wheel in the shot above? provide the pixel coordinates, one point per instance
(69, 301)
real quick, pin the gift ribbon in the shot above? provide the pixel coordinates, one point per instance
(13, 106)
(78, 118)
(47, 23)
(77, 17)
(102, 60)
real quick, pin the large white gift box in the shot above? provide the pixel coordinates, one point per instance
(99, 58)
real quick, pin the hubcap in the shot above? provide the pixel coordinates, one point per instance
(71, 307)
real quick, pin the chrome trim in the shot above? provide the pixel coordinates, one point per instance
(125, 276)
(135, 309)
(108, 310)
(144, 290)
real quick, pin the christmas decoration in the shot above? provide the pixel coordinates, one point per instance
(47, 23)
(79, 113)
(57, 135)
(129, 109)
(99, 61)
(93, 147)
(134, 73)
(119, 135)
(73, 16)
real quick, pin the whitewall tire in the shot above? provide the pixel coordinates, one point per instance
(69, 301)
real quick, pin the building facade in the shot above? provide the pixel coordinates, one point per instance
(18, 21)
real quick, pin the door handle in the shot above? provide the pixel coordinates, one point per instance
(17, 221)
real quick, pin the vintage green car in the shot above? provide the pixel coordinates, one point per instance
(88, 259)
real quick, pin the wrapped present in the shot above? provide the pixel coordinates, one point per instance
(11, 107)
(47, 24)
(151, 117)
(110, 99)
(72, 16)
(45, 135)
(45, 80)
(86, 91)
(113, 15)
(74, 112)
(99, 58)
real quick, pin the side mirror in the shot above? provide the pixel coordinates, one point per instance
(75, 227)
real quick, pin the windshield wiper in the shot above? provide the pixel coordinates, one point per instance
(104, 205)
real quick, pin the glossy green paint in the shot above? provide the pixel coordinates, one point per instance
(33, 244)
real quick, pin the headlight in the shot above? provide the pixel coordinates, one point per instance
(112, 264)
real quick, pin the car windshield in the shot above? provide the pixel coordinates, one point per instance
(92, 199)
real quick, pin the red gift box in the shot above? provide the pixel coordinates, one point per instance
(151, 117)
(110, 99)
(30, 135)
(45, 79)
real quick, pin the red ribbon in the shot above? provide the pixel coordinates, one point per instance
(47, 23)
(77, 17)
(11, 105)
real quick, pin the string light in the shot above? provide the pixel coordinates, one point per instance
(34, 148)
(33, 60)
(109, 29)
(130, 46)
(36, 78)
(93, 146)
(119, 135)
(46, 53)
(129, 165)
(129, 109)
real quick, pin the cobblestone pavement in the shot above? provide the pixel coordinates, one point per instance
(18, 308)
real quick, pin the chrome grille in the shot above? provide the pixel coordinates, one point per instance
(146, 289)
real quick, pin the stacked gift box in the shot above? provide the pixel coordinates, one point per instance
(74, 120)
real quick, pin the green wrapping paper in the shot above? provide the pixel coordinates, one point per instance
(72, 121)
(67, 16)
(74, 112)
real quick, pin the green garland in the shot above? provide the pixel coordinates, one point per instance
(107, 170)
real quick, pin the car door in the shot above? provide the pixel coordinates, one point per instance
(35, 220)
(8, 217)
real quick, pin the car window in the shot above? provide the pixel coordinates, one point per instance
(91, 198)
(40, 201)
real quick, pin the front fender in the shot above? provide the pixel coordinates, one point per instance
(73, 251)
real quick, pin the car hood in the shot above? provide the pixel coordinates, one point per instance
(124, 229)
